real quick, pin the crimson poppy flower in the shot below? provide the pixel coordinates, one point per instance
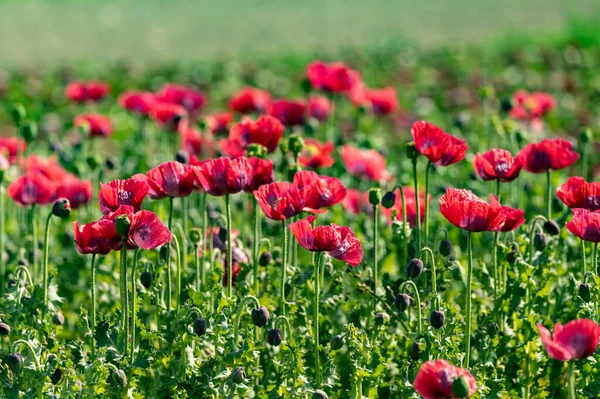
(467, 211)
(315, 154)
(378, 101)
(219, 123)
(167, 115)
(356, 202)
(83, 91)
(194, 142)
(222, 176)
(261, 172)
(11, 147)
(188, 97)
(280, 201)
(137, 102)
(497, 164)
(411, 205)
(434, 380)
(318, 107)
(49, 167)
(577, 193)
(121, 192)
(95, 237)
(78, 192)
(577, 339)
(289, 112)
(319, 191)
(530, 106)
(32, 189)
(146, 231)
(439, 147)
(99, 125)
(266, 131)
(366, 164)
(249, 100)
(514, 218)
(169, 179)
(585, 224)
(336, 77)
(550, 154)
(339, 242)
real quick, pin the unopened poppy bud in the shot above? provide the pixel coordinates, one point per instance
(61, 208)
(260, 316)
(84, 129)
(109, 163)
(460, 387)
(551, 227)
(445, 247)
(120, 378)
(336, 343)
(238, 375)
(29, 131)
(318, 394)
(375, 196)
(222, 234)
(195, 235)
(402, 302)
(506, 104)
(163, 252)
(265, 258)
(540, 241)
(146, 279)
(381, 318)
(492, 329)
(122, 225)
(411, 151)
(520, 138)
(274, 337)
(56, 376)
(183, 157)
(586, 136)
(4, 329)
(388, 200)
(200, 327)
(257, 150)
(58, 318)
(296, 144)
(512, 256)
(94, 161)
(414, 352)
(414, 268)
(437, 319)
(15, 362)
(283, 146)
(487, 91)
(585, 292)
(18, 114)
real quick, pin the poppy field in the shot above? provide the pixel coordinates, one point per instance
(378, 224)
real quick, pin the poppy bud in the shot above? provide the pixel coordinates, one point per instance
(540, 241)
(163, 252)
(260, 316)
(505, 104)
(29, 131)
(109, 163)
(265, 258)
(195, 235)
(120, 378)
(512, 256)
(182, 156)
(437, 319)
(411, 151)
(586, 136)
(56, 376)
(274, 337)
(460, 387)
(200, 327)
(551, 227)
(318, 394)
(58, 318)
(61, 208)
(84, 129)
(257, 150)
(585, 292)
(492, 329)
(93, 161)
(122, 225)
(381, 318)
(18, 114)
(15, 362)
(222, 234)
(4, 329)
(388, 200)
(402, 302)
(146, 279)
(375, 196)
(283, 146)
(414, 268)
(238, 375)
(296, 144)
(445, 247)
(336, 343)
(414, 352)
(519, 137)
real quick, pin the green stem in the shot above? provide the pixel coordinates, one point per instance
(25, 271)
(241, 306)
(178, 272)
(548, 196)
(468, 298)
(433, 274)
(426, 216)
(34, 243)
(45, 264)
(36, 360)
(496, 274)
(2, 240)
(417, 206)
(595, 258)
(571, 378)
(168, 260)
(124, 296)
(318, 266)
(93, 311)
(255, 248)
(184, 244)
(203, 240)
(283, 264)
(229, 245)
(375, 254)
(531, 231)
(404, 225)
(411, 284)
(133, 295)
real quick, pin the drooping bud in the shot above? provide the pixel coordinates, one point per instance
(336, 343)
(109, 163)
(445, 248)
(411, 151)
(56, 376)
(492, 329)
(402, 302)
(260, 316)
(182, 156)
(381, 318)
(120, 378)
(460, 387)
(200, 326)
(274, 337)
(375, 196)
(318, 394)
(4, 329)
(437, 319)
(551, 227)
(414, 352)
(585, 292)
(15, 362)
(146, 279)
(414, 268)
(122, 224)
(512, 256)
(265, 258)
(58, 318)
(238, 375)
(388, 200)
(540, 241)
(61, 208)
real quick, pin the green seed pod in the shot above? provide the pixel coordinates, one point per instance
(257, 150)
(460, 387)
(388, 200)
(15, 362)
(260, 316)
(402, 302)
(411, 151)
(296, 144)
(586, 136)
(336, 343)
(375, 196)
(238, 375)
(122, 225)
(274, 337)
(61, 208)
(445, 248)
(195, 235)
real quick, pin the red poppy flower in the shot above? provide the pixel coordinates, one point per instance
(439, 147)
(95, 238)
(464, 209)
(78, 192)
(378, 101)
(249, 100)
(319, 191)
(357, 202)
(532, 106)
(99, 125)
(219, 123)
(138, 102)
(261, 172)
(188, 97)
(167, 115)
(223, 175)
(411, 206)
(289, 112)
(339, 242)
(194, 142)
(497, 164)
(577, 193)
(551, 154)
(336, 77)
(80, 91)
(146, 231)
(318, 107)
(366, 164)
(434, 380)
(266, 131)
(11, 147)
(577, 339)
(280, 201)
(169, 179)
(514, 218)
(121, 192)
(585, 224)
(32, 189)
(49, 168)
(316, 155)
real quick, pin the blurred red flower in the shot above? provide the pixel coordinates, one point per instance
(465, 210)
(49, 168)
(121, 192)
(438, 146)
(378, 101)
(514, 218)
(585, 224)
(169, 179)
(577, 193)
(261, 172)
(167, 115)
(434, 380)
(32, 189)
(280, 201)
(266, 131)
(11, 146)
(99, 125)
(188, 97)
(530, 106)
(319, 191)
(550, 154)
(223, 175)
(316, 155)
(497, 164)
(411, 206)
(194, 142)
(356, 202)
(575, 340)
(249, 100)
(366, 164)
(289, 112)
(137, 102)
(219, 123)
(78, 192)
(318, 107)
(336, 77)
(83, 91)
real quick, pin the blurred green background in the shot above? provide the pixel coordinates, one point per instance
(153, 30)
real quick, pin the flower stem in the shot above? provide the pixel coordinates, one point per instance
(241, 306)
(403, 287)
(45, 264)
(36, 360)
(433, 275)
(229, 245)
(133, 295)
(178, 272)
(284, 245)
(404, 226)
(203, 240)
(184, 239)
(2, 240)
(426, 213)
(375, 254)
(571, 378)
(496, 273)
(318, 267)
(34, 243)
(417, 207)
(468, 298)
(595, 258)
(255, 248)
(168, 260)
(548, 196)
(583, 258)
(124, 296)
(93, 311)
